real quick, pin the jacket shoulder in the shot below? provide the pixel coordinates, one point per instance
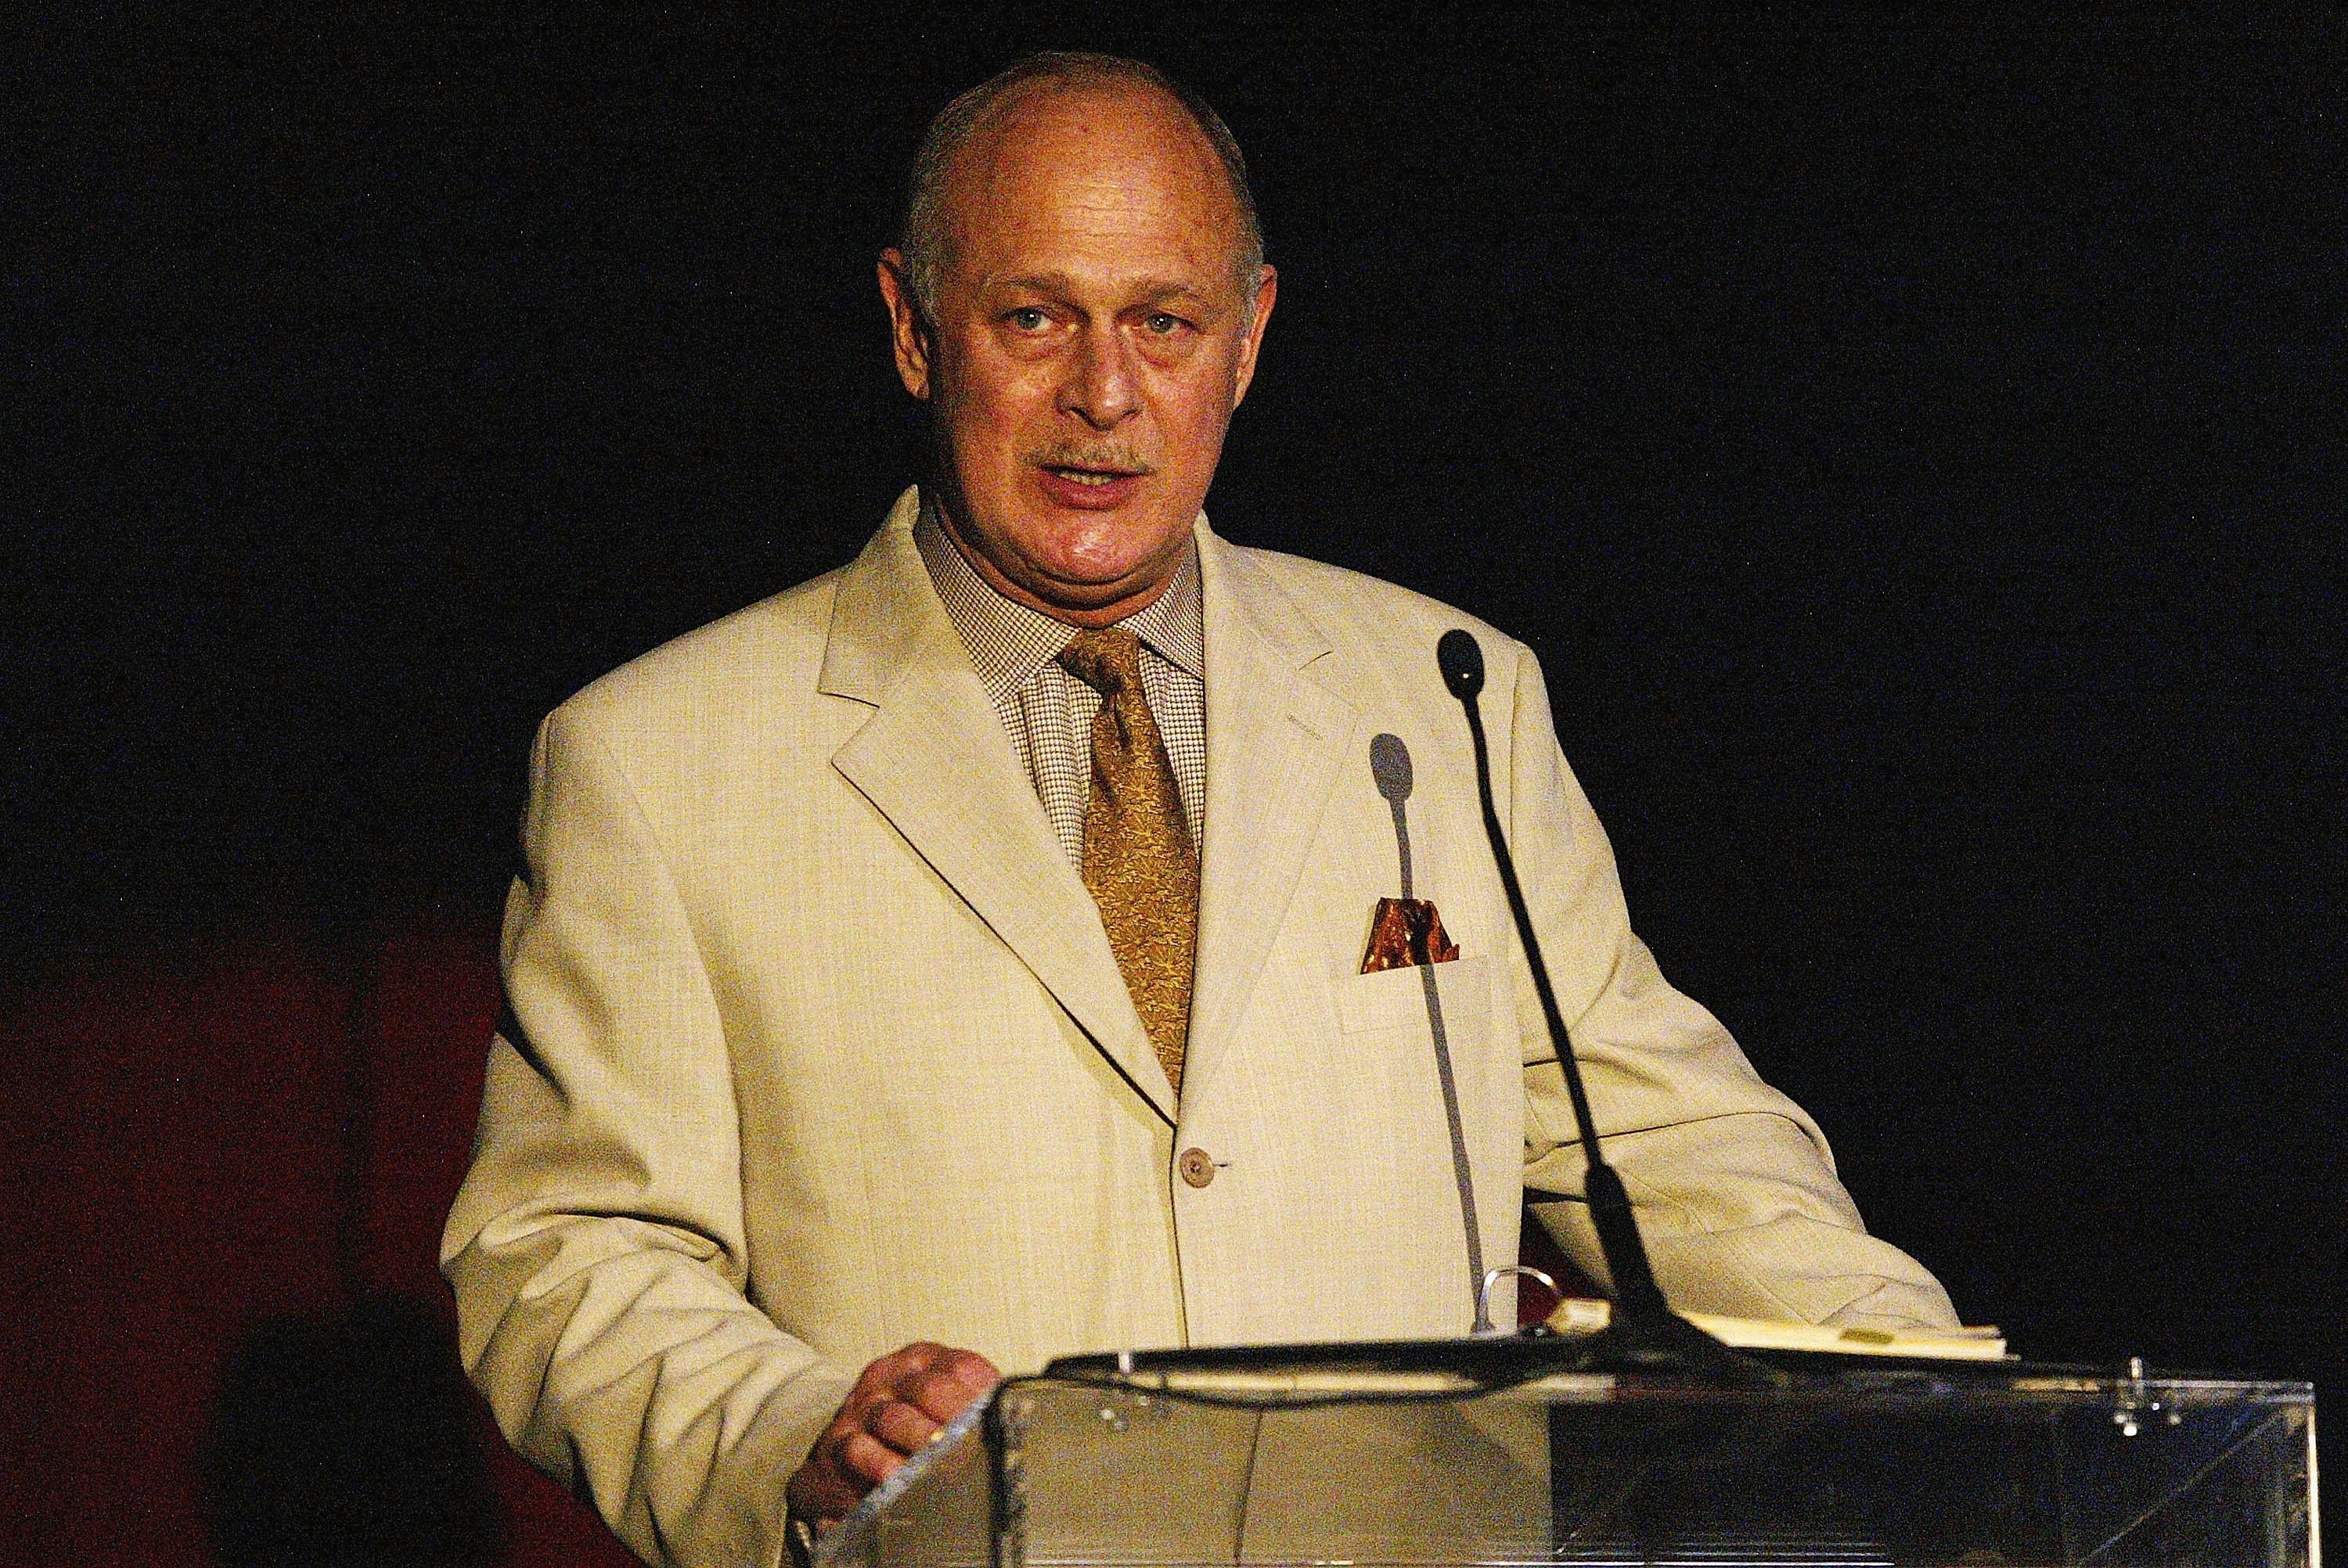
(763, 651)
(1368, 617)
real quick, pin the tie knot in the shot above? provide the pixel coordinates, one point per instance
(1105, 658)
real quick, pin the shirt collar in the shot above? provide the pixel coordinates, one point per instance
(1008, 641)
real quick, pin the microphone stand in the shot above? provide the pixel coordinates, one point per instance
(1644, 1335)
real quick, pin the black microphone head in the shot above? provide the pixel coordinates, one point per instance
(1461, 659)
(1390, 765)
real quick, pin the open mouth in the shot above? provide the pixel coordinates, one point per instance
(1091, 478)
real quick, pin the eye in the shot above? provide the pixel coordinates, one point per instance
(1027, 319)
(1163, 324)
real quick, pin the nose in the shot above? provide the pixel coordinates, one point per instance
(1100, 388)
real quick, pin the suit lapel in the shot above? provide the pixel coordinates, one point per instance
(1275, 743)
(935, 760)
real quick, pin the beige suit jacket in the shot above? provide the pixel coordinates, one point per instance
(820, 1048)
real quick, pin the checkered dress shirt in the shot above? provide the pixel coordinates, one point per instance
(1048, 712)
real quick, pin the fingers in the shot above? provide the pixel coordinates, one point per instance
(901, 1426)
(944, 1386)
(899, 1405)
(821, 1493)
(864, 1461)
(845, 1463)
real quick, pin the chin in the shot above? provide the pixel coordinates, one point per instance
(1098, 548)
(1101, 569)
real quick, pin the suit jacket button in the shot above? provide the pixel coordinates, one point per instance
(1196, 1168)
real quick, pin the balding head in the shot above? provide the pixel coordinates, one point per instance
(1081, 314)
(972, 137)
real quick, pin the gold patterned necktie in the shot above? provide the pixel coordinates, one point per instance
(1139, 863)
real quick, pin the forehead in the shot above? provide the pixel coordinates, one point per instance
(1096, 181)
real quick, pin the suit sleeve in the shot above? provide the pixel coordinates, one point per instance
(597, 1248)
(1733, 1185)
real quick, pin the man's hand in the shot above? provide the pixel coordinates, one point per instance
(895, 1409)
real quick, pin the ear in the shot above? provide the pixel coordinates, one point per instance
(908, 333)
(1267, 291)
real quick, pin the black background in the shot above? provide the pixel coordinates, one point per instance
(1912, 446)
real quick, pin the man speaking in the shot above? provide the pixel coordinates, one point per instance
(987, 945)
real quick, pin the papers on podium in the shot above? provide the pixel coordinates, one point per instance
(1578, 1316)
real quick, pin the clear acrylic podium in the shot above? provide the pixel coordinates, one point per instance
(1847, 1462)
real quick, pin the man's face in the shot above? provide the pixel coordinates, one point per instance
(1092, 339)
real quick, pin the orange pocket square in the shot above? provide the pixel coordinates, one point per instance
(1407, 932)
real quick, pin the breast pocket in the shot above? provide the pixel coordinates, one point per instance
(1396, 999)
(1388, 1036)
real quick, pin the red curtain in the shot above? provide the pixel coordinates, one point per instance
(202, 1141)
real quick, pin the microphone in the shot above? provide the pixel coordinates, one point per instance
(1644, 1333)
(1390, 767)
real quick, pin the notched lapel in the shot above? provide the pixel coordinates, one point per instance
(933, 760)
(1276, 740)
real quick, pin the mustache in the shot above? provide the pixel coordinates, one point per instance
(1112, 456)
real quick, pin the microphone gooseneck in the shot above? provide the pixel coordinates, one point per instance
(1390, 767)
(1646, 1332)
